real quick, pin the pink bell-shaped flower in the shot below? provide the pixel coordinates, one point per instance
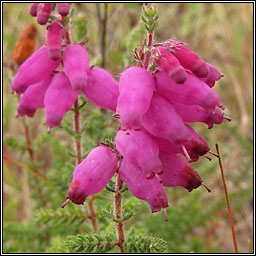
(149, 190)
(167, 62)
(92, 174)
(43, 13)
(138, 147)
(188, 59)
(33, 9)
(59, 99)
(213, 76)
(177, 172)
(33, 98)
(76, 65)
(136, 90)
(33, 70)
(63, 8)
(102, 89)
(54, 40)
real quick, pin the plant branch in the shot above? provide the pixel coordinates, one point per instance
(118, 214)
(104, 35)
(227, 198)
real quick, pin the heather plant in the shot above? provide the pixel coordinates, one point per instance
(144, 145)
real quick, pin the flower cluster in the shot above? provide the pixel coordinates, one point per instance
(153, 109)
(54, 75)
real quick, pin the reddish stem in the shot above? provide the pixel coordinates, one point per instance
(147, 56)
(227, 198)
(118, 214)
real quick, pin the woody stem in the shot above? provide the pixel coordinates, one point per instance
(118, 214)
(92, 218)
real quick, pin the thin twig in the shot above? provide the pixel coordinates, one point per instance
(118, 213)
(227, 198)
(104, 35)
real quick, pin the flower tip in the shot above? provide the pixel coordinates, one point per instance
(165, 214)
(209, 190)
(49, 129)
(64, 204)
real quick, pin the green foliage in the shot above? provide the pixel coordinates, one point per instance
(90, 244)
(144, 244)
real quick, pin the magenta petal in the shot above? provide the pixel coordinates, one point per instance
(33, 9)
(161, 120)
(54, 40)
(59, 99)
(33, 70)
(192, 92)
(63, 8)
(92, 174)
(102, 89)
(33, 98)
(177, 172)
(43, 13)
(76, 65)
(213, 76)
(136, 90)
(195, 113)
(138, 147)
(149, 190)
(167, 62)
(189, 60)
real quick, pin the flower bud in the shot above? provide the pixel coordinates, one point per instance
(92, 174)
(102, 89)
(177, 172)
(63, 8)
(189, 60)
(136, 90)
(43, 13)
(149, 190)
(59, 99)
(54, 40)
(192, 92)
(138, 147)
(33, 98)
(36, 67)
(167, 62)
(76, 65)
(33, 9)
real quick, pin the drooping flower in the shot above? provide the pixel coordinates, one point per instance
(161, 120)
(59, 99)
(54, 40)
(149, 190)
(139, 148)
(33, 98)
(63, 8)
(188, 59)
(92, 174)
(168, 63)
(192, 92)
(33, 70)
(102, 89)
(33, 9)
(177, 172)
(43, 13)
(213, 76)
(136, 90)
(76, 65)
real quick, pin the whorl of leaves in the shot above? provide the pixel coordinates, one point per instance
(140, 244)
(61, 216)
(90, 244)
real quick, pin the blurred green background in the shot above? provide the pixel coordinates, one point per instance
(221, 34)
